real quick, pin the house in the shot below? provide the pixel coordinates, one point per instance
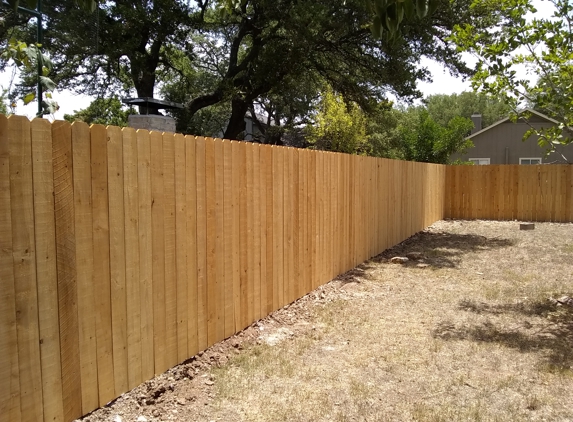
(502, 143)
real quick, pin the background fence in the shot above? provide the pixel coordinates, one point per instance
(508, 192)
(123, 253)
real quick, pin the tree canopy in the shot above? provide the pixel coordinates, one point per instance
(542, 46)
(225, 59)
(259, 55)
(338, 126)
(427, 141)
(443, 108)
(104, 111)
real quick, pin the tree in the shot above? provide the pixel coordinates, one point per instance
(429, 142)
(382, 130)
(338, 126)
(123, 45)
(390, 14)
(3, 99)
(254, 54)
(264, 47)
(550, 94)
(543, 46)
(104, 111)
(442, 108)
(29, 58)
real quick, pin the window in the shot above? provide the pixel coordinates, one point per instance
(479, 161)
(530, 161)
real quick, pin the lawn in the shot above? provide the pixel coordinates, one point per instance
(466, 331)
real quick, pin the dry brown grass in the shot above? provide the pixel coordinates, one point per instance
(470, 337)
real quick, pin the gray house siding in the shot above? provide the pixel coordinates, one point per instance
(503, 144)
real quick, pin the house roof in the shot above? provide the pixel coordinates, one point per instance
(528, 110)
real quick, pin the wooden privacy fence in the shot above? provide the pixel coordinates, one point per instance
(510, 192)
(123, 253)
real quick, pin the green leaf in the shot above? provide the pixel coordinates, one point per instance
(409, 9)
(422, 8)
(376, 27)
(29, 98)
(47, 83)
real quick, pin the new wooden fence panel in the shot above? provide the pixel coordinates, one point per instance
(24, 262)
(333, 178)
(211, 256)
(256, 251)
(83, 206)
(155, 246)
(169, 238)
(327, 176)
(117, 257)
(260, 236)
(9, 364)
(288, 226)
(230, 214)
(201, 245)
(304, 218)
(267, 203)
(101, 274)
(191, 214)
(132, 278)
(256, 232)
(242, 293)
(540, 195)
(219, 241)
(238, 231)
(507, 192)
(313, 228)
(278, 227)
(559, 206)
(66, 268)
(46, 269)
(297, 239)
(145, 229)
(567, 194)
(158, 251)
(263, 226)
(181, 248)
(249, 297)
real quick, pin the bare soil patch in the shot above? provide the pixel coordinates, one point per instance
(464, 330)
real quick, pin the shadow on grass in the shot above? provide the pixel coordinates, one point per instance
(357, 274)
(526, 308)
(443, 250)
(555, 336)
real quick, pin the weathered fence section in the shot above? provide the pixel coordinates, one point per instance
(510, 192)
(123, 253)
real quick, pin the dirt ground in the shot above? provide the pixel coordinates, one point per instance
(465, 330)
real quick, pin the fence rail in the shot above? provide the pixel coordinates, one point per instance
(510, 192)
(124, 252)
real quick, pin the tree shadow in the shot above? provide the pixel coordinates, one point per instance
(356, 274)
(539, 308)
(554, 337)
(442, 250)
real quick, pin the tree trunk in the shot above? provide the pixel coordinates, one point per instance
(144, 82)
(237, 121)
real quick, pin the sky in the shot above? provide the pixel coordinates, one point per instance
(443, 82)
